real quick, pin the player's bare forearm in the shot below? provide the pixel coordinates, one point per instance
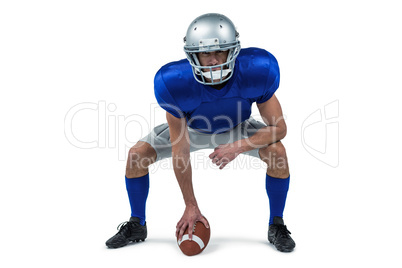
(192, 214)
(264, 137)
(183, 172)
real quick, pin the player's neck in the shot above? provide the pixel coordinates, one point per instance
(219, 86)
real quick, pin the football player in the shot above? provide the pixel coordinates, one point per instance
(208, 99)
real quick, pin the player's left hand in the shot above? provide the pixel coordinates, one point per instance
(224, 154)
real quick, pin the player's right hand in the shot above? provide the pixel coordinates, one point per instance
(191, 215)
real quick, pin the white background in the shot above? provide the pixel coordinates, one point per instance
(60, 203)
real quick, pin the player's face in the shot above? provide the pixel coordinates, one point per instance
(213, 58)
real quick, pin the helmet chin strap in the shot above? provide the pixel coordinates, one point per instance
(216, 74)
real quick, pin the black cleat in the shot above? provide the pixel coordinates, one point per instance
(130, 230)
(278, 235)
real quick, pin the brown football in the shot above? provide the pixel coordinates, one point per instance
(201, 235)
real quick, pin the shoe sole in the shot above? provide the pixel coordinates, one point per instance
(138, 240)
(128, 242)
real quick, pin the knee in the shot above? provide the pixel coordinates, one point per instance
(140, 156)
(279, 150)
(276, 151)
(135, 153)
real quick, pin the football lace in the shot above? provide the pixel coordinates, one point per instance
(195, 224)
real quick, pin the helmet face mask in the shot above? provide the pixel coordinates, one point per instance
(209, 33)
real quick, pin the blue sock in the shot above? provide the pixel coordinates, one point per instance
(277, 190)
(137, 189)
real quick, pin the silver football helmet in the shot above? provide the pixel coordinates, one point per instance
(212, 32)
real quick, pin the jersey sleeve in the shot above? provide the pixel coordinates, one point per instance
(164, 98)
(272, 82)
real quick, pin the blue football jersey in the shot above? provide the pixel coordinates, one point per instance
(208, 110)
